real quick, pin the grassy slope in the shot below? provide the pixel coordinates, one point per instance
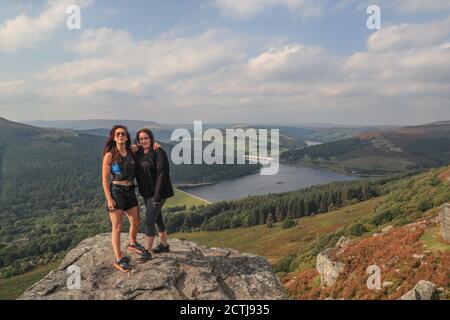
(13, 287)
(410, 199)
(183, 198)
(274, 243)
(431, 240)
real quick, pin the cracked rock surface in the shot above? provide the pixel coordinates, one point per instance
(190, 271)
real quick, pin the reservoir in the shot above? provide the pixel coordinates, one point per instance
(288, 178)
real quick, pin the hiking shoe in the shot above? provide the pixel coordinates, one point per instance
(145, 256)
(136, 248)
(122, 265)
(161, 248)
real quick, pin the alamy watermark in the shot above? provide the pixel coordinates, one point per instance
(73, 22)
(374, 20)
(74, 277)
(374, 280)
(241, 145)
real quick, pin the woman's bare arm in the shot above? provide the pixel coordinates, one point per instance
(106, 169)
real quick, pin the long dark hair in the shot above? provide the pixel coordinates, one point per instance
(148, 132)
(110, 145)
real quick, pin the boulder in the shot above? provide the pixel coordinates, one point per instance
(328, 269)
(343, 242)
(423, 290)
(189, 271)
(444, 222)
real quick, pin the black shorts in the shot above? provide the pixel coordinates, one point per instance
(125, 197)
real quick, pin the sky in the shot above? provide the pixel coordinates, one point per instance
(246, 61)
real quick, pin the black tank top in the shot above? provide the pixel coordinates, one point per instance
(125, 170)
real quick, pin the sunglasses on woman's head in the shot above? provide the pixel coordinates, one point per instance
(121, 133)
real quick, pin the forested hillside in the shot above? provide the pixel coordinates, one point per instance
(256, 210)
(406, 198)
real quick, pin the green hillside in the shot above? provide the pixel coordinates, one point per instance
(406, 201)
(12, 288)
(292, 248)
(381, 152)
(257, 210)
(277, 242)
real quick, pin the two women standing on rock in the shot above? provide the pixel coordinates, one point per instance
(150, 165)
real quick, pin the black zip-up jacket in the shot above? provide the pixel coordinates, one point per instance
(153, 175)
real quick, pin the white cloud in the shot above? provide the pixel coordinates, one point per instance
(398, 83)
(409, 35)
(249, 8)
(24, 31)
(100, 41)
(11, 87)
(210, 76)
(108, 55)
(398, 6)
(310, 8)
(292, 62)
(421, 5)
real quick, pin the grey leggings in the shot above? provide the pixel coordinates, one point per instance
(153, 217)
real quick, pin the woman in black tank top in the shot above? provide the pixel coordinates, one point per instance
(118, 174)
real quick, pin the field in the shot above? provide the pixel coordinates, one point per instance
(430, 240)
(183, 198)
(378, 164)
(276, 242)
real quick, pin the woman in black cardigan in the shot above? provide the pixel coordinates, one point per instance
(155, 186)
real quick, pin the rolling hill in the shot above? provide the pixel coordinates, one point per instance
(382, 152)
(291, 137)
(91, 124)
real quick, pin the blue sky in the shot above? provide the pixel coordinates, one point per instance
(283, 61)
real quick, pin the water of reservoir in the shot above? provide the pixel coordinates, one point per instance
(289, 178)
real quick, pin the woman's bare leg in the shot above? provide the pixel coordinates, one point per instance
(116, 222)
(133, 217)
(163, 237)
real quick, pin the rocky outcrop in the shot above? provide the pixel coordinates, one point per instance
(343, 242)
(328, 267)
(444, 222)
(189, 271)
(423, 290)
